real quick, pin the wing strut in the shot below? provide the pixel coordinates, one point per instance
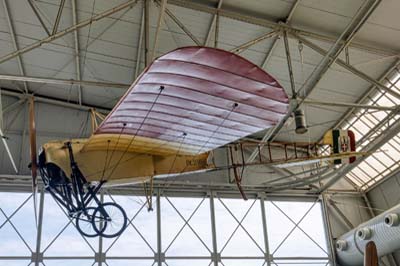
(148, 192)
(33, 164)
(238, 178)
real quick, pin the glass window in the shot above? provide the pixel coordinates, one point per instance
(291, 223)
(238, 227)
(294, 230)
(380, 164)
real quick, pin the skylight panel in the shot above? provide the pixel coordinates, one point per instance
(364, 124)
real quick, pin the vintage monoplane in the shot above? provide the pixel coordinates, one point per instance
(185, 104)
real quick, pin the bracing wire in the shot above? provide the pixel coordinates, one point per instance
(137, 131)
(218, 127)
(105, 165)
(177, 153)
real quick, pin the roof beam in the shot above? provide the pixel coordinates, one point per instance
(216, 30)
(266, 60)
(375, 144)
(146, 32)
(289, 63)
(77, 52)
(63, 81)
(274, 25)
(350, 105)
(330, 57)
(275, 41)
(4, 138)
(53, 101)
(68, 30)
(311, 82)
(12, 106)
(246, 45)
(14, 40)
(364, 97)
(140, 44)
(210, 28)
(58, 18)
(163, 5)
(182, 26)
(36, 12)
(347, 66)
(391, 175)
(379, 140)
(342, 216)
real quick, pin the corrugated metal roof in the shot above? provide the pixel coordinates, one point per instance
(108, 48)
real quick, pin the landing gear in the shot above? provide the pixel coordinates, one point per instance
(84, 223)
(109, 220)
(76, 194)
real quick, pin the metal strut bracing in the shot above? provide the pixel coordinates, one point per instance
(73, 28)
(267, 23)
(160, 249)
(330, 57)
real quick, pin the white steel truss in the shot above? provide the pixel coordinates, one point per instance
(204, 230)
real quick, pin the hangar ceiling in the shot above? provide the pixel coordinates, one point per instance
(99, 47)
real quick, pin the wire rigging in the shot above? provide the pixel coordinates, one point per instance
(138, 130)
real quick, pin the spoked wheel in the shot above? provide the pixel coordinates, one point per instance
(84, 223)
(113, 220)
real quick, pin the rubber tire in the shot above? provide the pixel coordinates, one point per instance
(102, 232)
(79, 221)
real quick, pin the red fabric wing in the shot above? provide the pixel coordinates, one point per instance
(200, 97)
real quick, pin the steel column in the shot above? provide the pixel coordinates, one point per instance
(328, 229)
(215, 255)
(100, 251)
(159, 243)
(265, 230)
(39, 229)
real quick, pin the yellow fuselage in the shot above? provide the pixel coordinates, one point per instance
(120, 165)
